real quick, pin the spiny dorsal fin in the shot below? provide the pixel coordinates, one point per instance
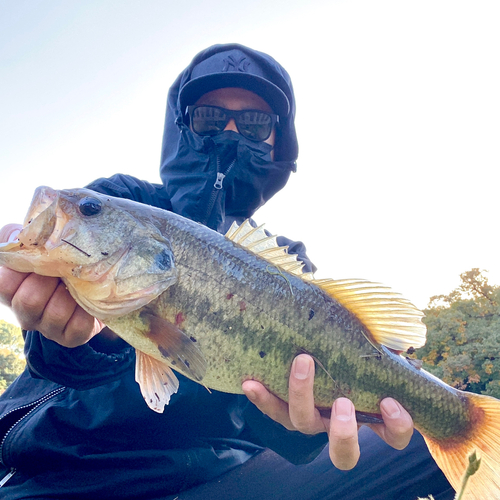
(392, 320)
(257, 241)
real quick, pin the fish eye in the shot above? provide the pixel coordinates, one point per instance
(89, 206)
(164, 260)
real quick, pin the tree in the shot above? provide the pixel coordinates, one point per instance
(463, 336)
(11, 354)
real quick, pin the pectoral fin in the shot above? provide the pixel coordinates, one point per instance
(178, 350)
(156, 380)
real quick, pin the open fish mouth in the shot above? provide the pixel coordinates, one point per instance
(9, 233)
(9, 246)
(32, 237)
(38, 224)
(44, 222)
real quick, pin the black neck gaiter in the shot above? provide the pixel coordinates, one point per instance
(212, 179)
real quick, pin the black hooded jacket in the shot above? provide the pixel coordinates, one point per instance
(74, 424)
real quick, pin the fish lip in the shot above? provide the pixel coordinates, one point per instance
(10, 246)
(9, 233)
(41, 219)
(43, 195)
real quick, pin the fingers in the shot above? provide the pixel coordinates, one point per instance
(10, 281)
(343, 435)
(300, 413)
(31, 298)
(397, 429)
(43, 303)
(267, 403)
(303, 414)
(65, 322)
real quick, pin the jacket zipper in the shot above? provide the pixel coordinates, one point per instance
(7, 476)
(33, 406)
(216, 188)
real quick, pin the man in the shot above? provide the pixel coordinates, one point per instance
(74, 424)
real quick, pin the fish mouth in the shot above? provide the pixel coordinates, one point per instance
(8, 237)
(27, 252)
(38, 226)
(41, 219)
(9, 246)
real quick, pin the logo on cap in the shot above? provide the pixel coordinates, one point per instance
(232, 64)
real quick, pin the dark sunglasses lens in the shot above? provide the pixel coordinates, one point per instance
(255, 125)
(207, 120)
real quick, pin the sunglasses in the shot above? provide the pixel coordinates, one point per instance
(251, 123)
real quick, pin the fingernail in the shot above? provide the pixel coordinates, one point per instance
(391, 408)
(342, 409)
(301, 367)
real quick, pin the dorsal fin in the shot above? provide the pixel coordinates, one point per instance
(257, 241)
(391, 320)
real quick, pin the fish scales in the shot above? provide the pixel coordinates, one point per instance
(221, 313)
(216, 276)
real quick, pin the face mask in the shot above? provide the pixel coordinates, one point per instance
(224, 175)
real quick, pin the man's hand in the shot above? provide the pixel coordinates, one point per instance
(300, 414)
(43, 303)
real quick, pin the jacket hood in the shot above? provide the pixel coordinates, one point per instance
(217, 179)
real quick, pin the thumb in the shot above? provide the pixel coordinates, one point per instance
(9, 233)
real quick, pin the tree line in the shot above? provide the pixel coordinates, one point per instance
(463, 338)
(11, 354)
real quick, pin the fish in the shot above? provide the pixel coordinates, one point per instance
(222, 309)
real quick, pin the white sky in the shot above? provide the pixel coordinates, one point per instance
(398, 118)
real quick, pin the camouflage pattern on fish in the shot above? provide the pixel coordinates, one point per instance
(225, 309)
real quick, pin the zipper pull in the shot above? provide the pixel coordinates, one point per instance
(4, 480)
(218, 182)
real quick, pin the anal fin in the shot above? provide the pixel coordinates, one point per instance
(156, 380)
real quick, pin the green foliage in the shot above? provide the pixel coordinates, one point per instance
(463, 339)
(11, 354)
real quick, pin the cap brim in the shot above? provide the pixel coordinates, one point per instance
(271, 93)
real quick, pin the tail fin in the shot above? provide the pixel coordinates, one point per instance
(484, 438)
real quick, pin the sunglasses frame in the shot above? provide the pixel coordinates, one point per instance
(231, 113)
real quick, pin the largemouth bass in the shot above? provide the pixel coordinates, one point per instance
(225, 309)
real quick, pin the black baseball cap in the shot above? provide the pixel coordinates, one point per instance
(235, 67)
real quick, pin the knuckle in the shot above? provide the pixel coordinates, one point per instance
(33, 294)
(304, 423)
(297, 394)
(25, 302)
(73, 342)
(399, 441)
(271, 411)
(76, 334)
(343, 434)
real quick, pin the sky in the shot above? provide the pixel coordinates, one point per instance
(397, 117)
